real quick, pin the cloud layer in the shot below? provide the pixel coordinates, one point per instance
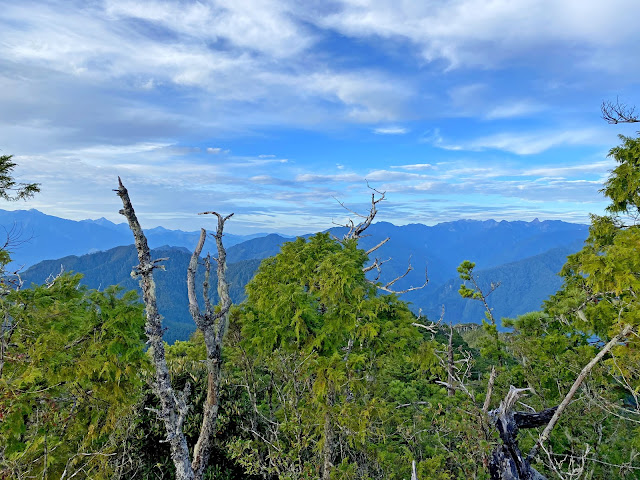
(272, 107)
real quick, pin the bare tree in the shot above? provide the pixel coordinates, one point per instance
(357, 230)
(173, 405)
(213, 326)
(617, 112)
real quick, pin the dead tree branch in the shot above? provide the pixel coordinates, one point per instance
(356, 232)
(617, 112)
(627, 329)
(487, 398)
(433, 328)
(213, 326)
(171, 409)
(387, 286)
(373, 249)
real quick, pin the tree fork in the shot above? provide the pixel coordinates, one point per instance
(213, 326)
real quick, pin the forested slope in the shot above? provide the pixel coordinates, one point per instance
(113, 267)
(525, 284)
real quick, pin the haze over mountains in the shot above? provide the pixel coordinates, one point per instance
(523, 256)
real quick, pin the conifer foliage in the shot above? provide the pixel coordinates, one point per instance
(69, 380)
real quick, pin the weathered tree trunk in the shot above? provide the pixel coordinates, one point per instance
(213, 326)
(451, 391)
(507, 461)
(173, 408)
(414, 473)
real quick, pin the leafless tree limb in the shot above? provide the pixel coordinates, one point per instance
(626, 330)
(617, 112)
(213, 326)
(387, 286)
(356, 230)
(51, 279)
(576, 465)
(403, 405)
(433, 328)
(487, 398)
(377, 263)
(170, 409)
(373, 249)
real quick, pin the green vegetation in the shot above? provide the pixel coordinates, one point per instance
(324, 377)
(10, 189)
(73, 364)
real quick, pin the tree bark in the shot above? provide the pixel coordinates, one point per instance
(507, 461)
(213, 326)
(451, 391)
(172, 409)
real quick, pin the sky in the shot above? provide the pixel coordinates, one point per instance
(277, 110)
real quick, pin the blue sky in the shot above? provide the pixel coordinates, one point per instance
(273, 109)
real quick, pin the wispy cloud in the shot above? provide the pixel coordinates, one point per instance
(414, 166)
(524, 143)
(532, 143)
(514, 109)
(216, 150)
(570, 170)
(472, 32)
(391, 130)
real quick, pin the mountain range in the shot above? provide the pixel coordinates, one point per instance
(523, 256)
(37, 236)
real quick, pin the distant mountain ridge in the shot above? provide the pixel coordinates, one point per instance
(523, 256)
(43, 237)
(444, 246)
(524, 285)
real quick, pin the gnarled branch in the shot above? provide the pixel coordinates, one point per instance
(617, 112)
(387, 286)
(356, 230)
(213, 326)
(171, 409)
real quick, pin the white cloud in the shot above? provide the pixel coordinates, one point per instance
(479, 33)
(528, 143)
(262, 179)
(318, 178)
(414, 166)
(265, 26)
(532, 143)
(216, 150)
(514, 109)
(560, 172)
(90, 90)
(391, 130)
